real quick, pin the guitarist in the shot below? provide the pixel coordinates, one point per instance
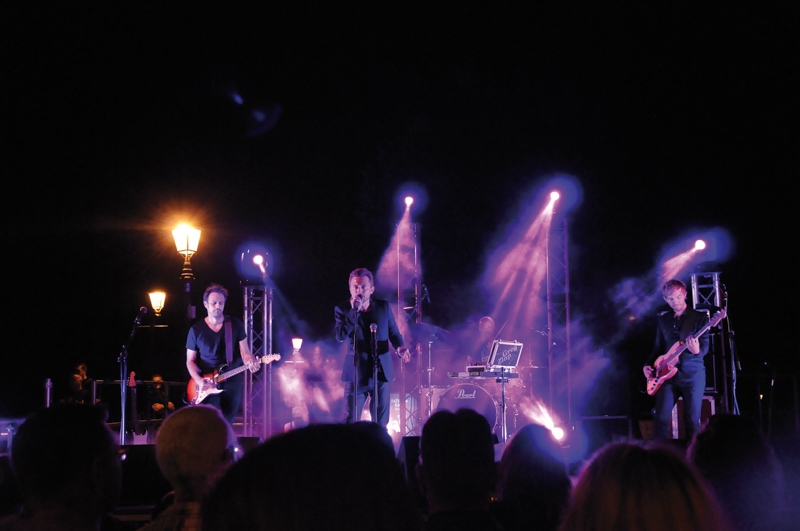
(675, 326)
(207, 352)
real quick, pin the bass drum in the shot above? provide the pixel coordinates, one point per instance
(469, 396)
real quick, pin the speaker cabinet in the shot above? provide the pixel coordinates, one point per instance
(677, 426)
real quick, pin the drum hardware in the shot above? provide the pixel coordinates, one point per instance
(433, 336)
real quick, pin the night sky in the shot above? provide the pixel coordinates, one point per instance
(299, 127)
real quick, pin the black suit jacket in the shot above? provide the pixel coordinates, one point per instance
(348, 321)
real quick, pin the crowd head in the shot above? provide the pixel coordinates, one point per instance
(636, 486)
(321, 476)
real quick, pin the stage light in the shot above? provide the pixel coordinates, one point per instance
(409, 200)
(254, 262)
(297, 342)
(157, 299)
(554, 196)
(699, 245)
(557, 432)
(261, 262)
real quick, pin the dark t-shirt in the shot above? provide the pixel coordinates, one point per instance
(210, 345)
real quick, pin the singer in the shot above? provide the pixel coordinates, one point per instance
(354, 318)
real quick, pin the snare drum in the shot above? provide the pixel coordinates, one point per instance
(469, 396)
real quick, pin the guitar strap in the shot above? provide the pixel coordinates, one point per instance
(228, 341)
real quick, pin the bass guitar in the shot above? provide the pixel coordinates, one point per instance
(196, 394)
(665, 364)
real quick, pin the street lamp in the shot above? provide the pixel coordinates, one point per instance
(157, 299)
(187, 239)
(297, 342)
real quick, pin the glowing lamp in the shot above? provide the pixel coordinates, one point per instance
(187, 239)
(157, 299)
(297, 342)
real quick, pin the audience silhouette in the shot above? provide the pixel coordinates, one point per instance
(321, 476)
(194, 447)
(739, 463)
(457, 471)
(67, 463)
(534, 485)
(633, 486)
(64, 473)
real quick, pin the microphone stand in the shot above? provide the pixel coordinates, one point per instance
(374, 348)
(123, 371)
(354, 415)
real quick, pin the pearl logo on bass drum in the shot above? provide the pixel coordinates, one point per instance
(463, 395)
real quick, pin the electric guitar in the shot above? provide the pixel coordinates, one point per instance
(195, 395)
(665, 364)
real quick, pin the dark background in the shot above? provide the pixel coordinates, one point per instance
(121, 119)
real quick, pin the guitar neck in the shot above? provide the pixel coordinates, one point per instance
(675, 355)
(227, 374)
(233, 372)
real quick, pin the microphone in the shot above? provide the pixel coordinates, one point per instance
(142, 311)
(357, 302)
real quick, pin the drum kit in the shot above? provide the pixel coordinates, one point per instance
(492, 390)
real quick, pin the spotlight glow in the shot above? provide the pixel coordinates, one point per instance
(699, 245)
(411, 193)
(554, 196)
(254, 261)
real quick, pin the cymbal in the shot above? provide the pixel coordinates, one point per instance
(427, 333)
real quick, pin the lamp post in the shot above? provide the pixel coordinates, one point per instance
(187, 239)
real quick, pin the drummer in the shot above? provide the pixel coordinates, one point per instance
(483, 344)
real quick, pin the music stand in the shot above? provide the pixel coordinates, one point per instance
(504, 358)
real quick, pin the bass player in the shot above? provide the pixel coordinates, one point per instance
(679, 327)
(214, 342)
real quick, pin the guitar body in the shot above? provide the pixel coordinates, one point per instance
(666, 369)
(196, 394)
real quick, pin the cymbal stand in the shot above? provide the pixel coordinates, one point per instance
(430, 389)
(503, 380)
